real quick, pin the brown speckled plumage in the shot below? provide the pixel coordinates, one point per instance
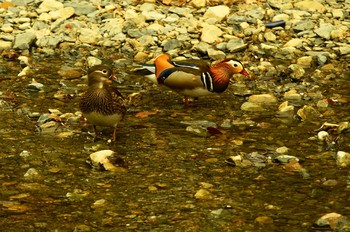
(101, 104)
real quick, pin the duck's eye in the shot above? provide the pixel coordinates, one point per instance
(104, 71)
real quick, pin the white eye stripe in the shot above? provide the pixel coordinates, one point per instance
(234, 63)
(104, 71)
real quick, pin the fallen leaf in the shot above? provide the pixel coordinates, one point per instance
(145, 114)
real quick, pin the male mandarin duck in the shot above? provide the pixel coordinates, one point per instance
(195, 78)
(101, 104)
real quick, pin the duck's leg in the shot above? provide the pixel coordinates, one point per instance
(114, 134)
(95, 130)
(186, 101)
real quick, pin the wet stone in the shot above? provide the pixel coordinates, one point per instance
(251, 107)
(203, 194)
(31, 173)
(198, 130)
(343, 159)
(285, 158)
(35, 86)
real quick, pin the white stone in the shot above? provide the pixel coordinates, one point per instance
(217, 12)
(305, 61)
(7, 28)
(89, 36)
(66, 12)
(310, 6)
(210, 33)
(50, 5)
(5, 45)
(45, 17)
(251, 106)
(296, 43)
(292, 95)
(338, 13)
(199, 3)
(270, 36)
(262, 98)
(343, 159)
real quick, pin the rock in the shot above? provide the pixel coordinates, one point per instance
(310, 6)
(152, 15)
(92, 61)
(81, 8)
(36, 86)
(345, 50)
(323, 136)
(199, 3)
(325, 30)
(270, 36)
(292, 95)
(66, 12)
(4, 45)
(286, 108)
(264, 220)
(210, 34)
(235, 45)
(217, 12)
(89, 36)
(107, 160)
(285, 159)
(305, 61)
(297, 71)
(282, 150)
(304, 25)
(343, 159)
(171, 44)
(262, 98)
(24, 40)
(7, 28)
(338, 14)
(215, 54)
(31, 173)
(203, 194)
(334, 221)
(330, 183)
(25, 154)
(25, 72)
(202, 47)
(308, 113)
(49, 5)
(198, 130)
(252, 107)
(296, 43)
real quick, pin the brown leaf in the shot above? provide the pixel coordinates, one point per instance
(145, 114)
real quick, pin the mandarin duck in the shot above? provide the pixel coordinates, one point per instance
(194, 78)
(101, 104)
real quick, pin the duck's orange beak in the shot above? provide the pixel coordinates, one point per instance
(245, 73)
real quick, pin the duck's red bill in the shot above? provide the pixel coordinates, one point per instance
(245, 73)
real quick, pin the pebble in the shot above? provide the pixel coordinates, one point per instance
(203, 194)
(31, 173)
(343, 159)
(285, 158)
(251, 107)
(104, 159)
(333, 221)
(217, 12)
(35, 86)
(262, 98)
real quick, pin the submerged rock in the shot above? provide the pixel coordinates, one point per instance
(343, 159)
